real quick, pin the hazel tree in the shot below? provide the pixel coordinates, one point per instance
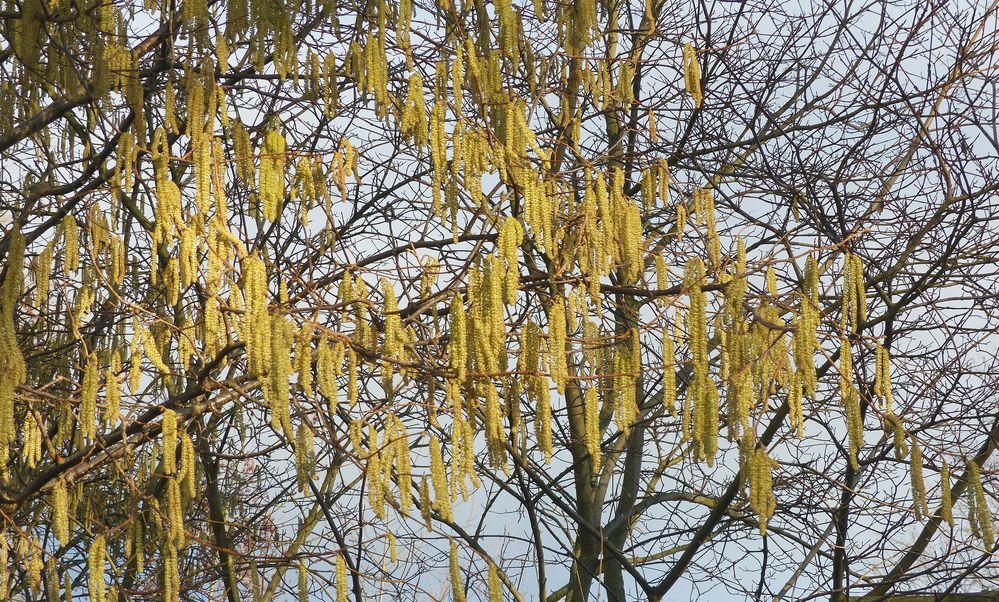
(497, 300)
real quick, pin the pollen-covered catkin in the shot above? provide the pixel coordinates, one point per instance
(88, 403)
(669, 372)
(702, 395)
(60, 512)
(692, 74)
(592, 424)
(983, 516)
(946, 503)
(71, 252)
(495, 587)
(850, 398)
(95, 565)
(454, 571)
(169, 441)
(438, 474)
(341, 578)
(760, 467)
(916, 473)
(270, 183)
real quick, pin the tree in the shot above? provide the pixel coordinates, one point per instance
(469, 300)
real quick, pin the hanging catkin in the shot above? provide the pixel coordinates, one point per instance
(454, 571)
(692, 74)
(850, 398)
(88, 397)
(702, 395)
(760, 468)
(981, 515)
(341, 578)
(60, 512)
(95, 564)
(169, 441)
(946, 504)
(438, 474)
(916, 473)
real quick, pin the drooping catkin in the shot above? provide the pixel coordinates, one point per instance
(760, 468)
(854, 295)
(112, 390)
(88, 398)
(882, 377)
(850, 398)
(806, 328)
(303, 582)
(95, 565)
(270, 184)
(169, 429)
(71, 252)
(438, 474)
(702, 395)
(458, 344)
(303, 358)
(305, 454)
(187, 471)
(495, 586)
(454, 572)
(982, 515)
(279, 397)
(341, 578)
(669, 372)
(692, 74)
(60, 512)
(414, 125)
(592, 423)
(946, 503)
(918, 486)
(43, 271)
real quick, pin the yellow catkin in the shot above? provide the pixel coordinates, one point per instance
(760, 468)
(946, 503)
(270, 183)
(279, 397)
(341, 578)
(175, 512)
(303, 358)
(458, 344)
(135, 358)
(495, 586)
(701, 411)
(352, 381)
(71, 253)
(918, 487)
(88, 403)
(983, 516)
(43, 271)
(454, 571)
(303, 582)
(442, 495)
(426, 505)
(188, 470)
(882, 376)
(60, 512)
(169, 441)
(850, 398)
(414, 125)
(95, 565)
(113, 392)
(592, 424)
(13, 371)
(692, 74)
(669, 372)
